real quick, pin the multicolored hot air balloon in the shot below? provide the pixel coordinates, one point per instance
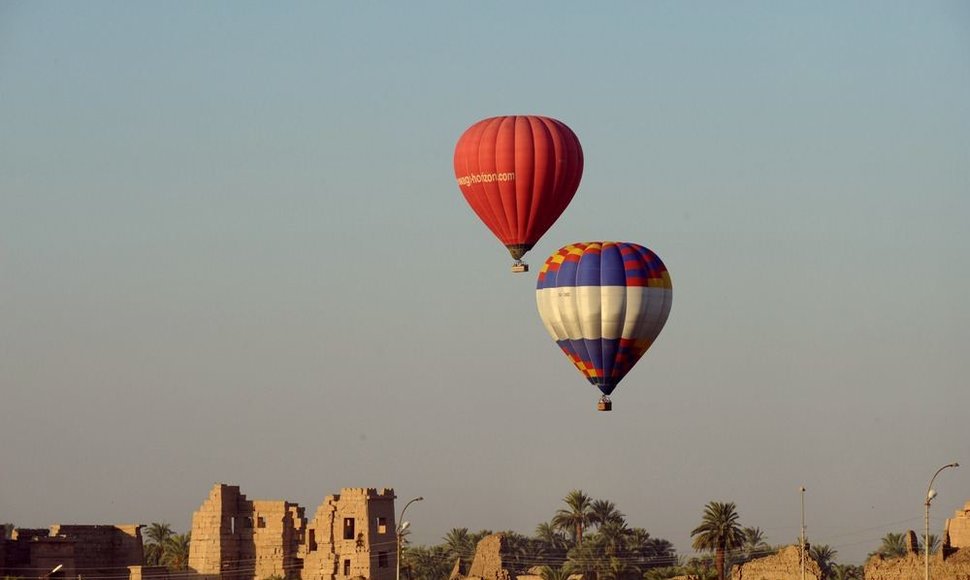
(604, 303)
(518, 173)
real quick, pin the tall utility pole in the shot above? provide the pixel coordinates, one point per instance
(803, 532)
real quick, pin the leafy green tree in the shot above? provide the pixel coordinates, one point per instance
(175, 552)
(576, 516)
(719, 532)
(824, 556)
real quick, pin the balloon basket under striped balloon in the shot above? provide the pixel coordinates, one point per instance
(604, 404)
(519, 267)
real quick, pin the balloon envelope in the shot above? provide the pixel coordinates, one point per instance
(604, 303)
(518, 173)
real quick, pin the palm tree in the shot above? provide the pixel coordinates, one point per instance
(478, 536)
(754, 542)
(824, 556)
(639, 546)
(533, 552)
(175, 553)
(156, 534)
(893, 546)
(458, 544)
(516, 551)
(576, 517)
(613, 536)
(587, 558)
(719, 532)
(603, 511)
(550, 573)
(846, 572)
(934, 544)
(663, 552)
(427, 563)
(616, 569)
(552, 538)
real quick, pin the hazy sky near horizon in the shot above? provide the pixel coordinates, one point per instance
(232, 249)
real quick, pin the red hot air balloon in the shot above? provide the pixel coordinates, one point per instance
(518, 173)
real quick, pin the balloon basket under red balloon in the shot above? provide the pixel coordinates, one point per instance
(519, 267)
(604, 404)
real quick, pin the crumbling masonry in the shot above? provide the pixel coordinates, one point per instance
(352, 535)
(72, 550)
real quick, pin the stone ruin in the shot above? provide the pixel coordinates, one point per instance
(951, 561)
(784, 565)
(240, 538)
(352, 535)
(487, 564)
(76, 551)
(956, 532)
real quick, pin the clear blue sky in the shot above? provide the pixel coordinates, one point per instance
(232, 249)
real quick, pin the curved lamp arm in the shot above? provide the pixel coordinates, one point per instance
(929, 488)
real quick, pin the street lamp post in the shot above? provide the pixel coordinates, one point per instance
(930, 494)
(400, 530)
(803, 532)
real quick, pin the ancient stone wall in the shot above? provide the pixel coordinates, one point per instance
(277, 534)
(31, 556)
(103, 547)
(28, 533)
(45, 554)
(957, 530)
(237, 538)
(487, 563)
(352, 534)
(98, 550)
(148, 573)
(911, 567)
(785, 565)
(214, 548)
